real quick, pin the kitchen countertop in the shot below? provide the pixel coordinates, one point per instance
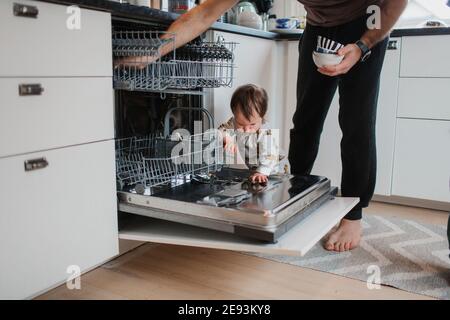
(139, 13)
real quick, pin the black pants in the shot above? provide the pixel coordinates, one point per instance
(358, 91)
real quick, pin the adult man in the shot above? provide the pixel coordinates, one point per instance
(357, 77)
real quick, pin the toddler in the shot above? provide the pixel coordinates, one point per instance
(248, 132)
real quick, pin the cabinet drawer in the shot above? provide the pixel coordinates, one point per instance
(422, 160)
(425, 56)
(46, 45)
(60, 215)
(69, 111)
(424, 98)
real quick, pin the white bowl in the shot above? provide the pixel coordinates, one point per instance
(250, 19)
(326, 59)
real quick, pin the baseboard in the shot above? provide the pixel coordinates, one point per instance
(413, 202)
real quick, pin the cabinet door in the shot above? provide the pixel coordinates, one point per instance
(426, 57)
(60, 215)
(59, 41)
(386, 117)
(424, 98)
(257, 62)
(422, 159)
(328, 161)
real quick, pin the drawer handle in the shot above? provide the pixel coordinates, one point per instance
(392, 45)
(22, 10)
(36, 164)
(35, 89)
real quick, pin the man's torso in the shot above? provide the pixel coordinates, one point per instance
(329, 13)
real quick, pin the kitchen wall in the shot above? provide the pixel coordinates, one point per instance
(416, 13)
(288, 8)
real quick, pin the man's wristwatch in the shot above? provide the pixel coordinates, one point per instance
(365, 51)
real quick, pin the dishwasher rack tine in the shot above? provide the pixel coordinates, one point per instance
(153, 161)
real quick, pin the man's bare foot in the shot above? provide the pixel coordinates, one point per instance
(346, 237)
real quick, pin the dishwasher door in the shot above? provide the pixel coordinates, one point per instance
(296, 242)
(288, 215)
(229, 202)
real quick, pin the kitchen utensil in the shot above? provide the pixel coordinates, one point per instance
(234, 12)
(263, 7)
(250, 19)
(287, 23)
(326, 59)
(325, 45)
(332, 44)
(323, 50)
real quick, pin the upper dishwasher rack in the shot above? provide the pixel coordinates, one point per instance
(200, 64)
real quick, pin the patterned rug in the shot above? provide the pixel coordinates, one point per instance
(404, 254)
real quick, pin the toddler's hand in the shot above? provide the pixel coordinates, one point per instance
(258, 178)
(229, 145)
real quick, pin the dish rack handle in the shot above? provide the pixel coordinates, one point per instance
(169, 112)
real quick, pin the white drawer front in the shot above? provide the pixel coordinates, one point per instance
(55, 217)
(45, 46)
(426, 98)
(425, 56)
(422, 160)
(69, 111)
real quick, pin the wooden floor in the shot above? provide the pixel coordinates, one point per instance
(175, 272)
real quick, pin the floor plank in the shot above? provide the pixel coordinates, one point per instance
(175, 272)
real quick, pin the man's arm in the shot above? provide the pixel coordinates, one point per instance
(187, 27)
(196, 21)
(390, 12)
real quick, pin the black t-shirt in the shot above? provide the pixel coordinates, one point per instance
(329, 13)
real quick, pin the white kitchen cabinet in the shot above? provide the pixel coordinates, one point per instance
(328, 162)
(386, 117)
(426, 57)
(69, 111)
(422, 160)
(424, 98)
(57, 157)
(60, 215)
(53, 43)
(290, 86)
(258, 62)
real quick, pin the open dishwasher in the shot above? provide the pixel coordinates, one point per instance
(173, 181)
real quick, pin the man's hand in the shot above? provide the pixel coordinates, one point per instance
(140, 62)
(352, 54)
(258, 178)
